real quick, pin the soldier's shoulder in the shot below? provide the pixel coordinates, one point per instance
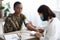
(9, 16)
(23, 15)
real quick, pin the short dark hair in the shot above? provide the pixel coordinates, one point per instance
(16, 3)
(46, 11)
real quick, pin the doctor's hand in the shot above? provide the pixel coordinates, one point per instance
(41, 30)
(38, 35)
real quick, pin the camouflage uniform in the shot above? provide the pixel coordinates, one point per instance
(13, 23)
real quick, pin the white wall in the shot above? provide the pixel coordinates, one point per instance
(30, 8)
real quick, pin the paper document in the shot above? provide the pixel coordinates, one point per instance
(12, 37)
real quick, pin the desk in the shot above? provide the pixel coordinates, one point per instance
(25, 35)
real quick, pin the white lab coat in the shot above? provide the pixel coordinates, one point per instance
(53, 30)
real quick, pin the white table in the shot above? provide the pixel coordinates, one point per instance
(24, 34)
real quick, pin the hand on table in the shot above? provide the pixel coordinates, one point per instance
(38, 35)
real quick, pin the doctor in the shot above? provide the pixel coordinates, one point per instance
(53, 27)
